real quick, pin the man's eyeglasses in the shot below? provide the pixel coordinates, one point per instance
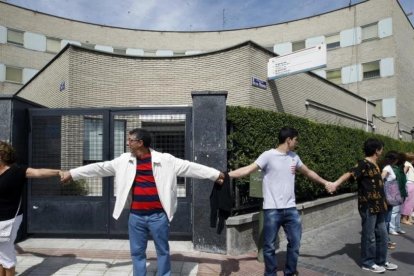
(132, 140)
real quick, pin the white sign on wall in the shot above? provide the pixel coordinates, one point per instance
(297, 62)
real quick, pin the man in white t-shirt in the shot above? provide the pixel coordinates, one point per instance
(278, 167)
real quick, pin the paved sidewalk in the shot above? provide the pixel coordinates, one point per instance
(330, 250)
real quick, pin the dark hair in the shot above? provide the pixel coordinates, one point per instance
(371, 145)
(142, 134)
(287, 132)
(390, 158)
(7, 153)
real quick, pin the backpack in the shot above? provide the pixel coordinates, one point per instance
(392, 193)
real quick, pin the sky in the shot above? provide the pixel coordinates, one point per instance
(189, 15)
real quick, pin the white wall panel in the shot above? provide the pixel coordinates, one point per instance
(350, 37)
(387, 67)
(134, 52)
(350, 74)
(313, 41)
(385, 27)
(34, 41)
(64, 42)
(104, 48)
(28, 74)
(164, 53)
(193, 52)
(2, 72)
(283, 48)
(389, 107)
(3, 34)
(320, 72)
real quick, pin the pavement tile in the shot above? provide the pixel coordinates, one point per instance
(330, 250)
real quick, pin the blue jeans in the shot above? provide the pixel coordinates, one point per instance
(139, 228)
(289, 219)
(395, 225)
(374, 238)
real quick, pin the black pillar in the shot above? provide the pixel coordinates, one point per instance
(210, 149)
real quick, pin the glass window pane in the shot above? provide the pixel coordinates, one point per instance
(52, 45)
(92, 149)
(14, 74)
(15, 37)
(332, 41)
(371, 69)
(298, 45)
(369, 32)
(334, 76)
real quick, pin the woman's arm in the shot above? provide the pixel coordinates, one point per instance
(41, 173)
(341, 180)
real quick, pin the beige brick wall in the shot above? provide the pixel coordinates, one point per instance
(398, 46)
(94, 79)
(45, 88)
(404, 70)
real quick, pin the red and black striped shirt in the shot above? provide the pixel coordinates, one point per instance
(145, 197)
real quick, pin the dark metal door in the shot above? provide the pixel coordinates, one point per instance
(65, 139)
(68, 138)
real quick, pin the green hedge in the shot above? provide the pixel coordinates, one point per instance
(329, 150)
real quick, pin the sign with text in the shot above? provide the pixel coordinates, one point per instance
(297, 62)
(256, 82)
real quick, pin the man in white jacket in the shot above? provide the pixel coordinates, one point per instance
(151, 178)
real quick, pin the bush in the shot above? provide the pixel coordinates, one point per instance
(75, 188)
(329, 150)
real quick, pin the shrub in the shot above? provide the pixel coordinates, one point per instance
(329, 150)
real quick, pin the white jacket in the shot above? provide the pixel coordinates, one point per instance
(165, 168)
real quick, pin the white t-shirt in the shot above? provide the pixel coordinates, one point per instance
(391, 174)
(410, 172)
(278, 171)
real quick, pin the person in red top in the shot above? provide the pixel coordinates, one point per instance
(151, 178)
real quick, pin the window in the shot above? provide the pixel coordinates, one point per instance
(298, 45)
(150, 53)
(378, 107)
(334, 76)
(52, 45)
(371, 69)
(88, 45)
(385, 107)
(369, 32)
(179, 53)
(119, 51)
(15, 37)
(333, 41)
(14, 74)
(93, 140)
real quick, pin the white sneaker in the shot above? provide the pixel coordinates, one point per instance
(375, 268)
(390, 266)
(401, 232)
(394, 233)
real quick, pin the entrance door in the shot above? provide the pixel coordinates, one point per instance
(65, 139)
(70, 138)
(170, 134)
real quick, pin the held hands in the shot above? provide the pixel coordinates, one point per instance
(65, 176)
(331, 187)
(220, 179)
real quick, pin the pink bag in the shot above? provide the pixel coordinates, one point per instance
(392, 193)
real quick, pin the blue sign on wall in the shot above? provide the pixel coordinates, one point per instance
(259, 83)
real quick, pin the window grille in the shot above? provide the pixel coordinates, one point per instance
(371, 69)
